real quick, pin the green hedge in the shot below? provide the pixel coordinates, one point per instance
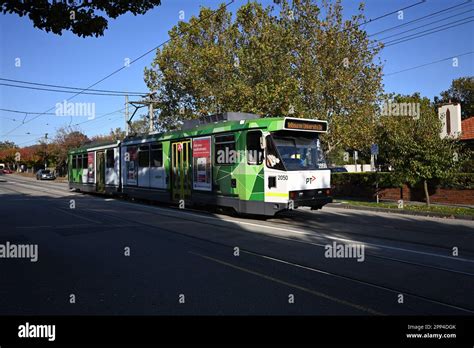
(365, 179)
(459, 181)
(387, 179)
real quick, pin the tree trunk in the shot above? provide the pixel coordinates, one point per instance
(427, 194)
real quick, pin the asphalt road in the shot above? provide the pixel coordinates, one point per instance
(282, 267)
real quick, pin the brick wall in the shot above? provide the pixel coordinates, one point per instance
(437, 195)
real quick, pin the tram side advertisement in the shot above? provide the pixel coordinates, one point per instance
(202, 164)
(91, 167)
(131, 165)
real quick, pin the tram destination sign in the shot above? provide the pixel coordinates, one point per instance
(306, 125)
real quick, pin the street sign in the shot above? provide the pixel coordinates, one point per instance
(374, 149)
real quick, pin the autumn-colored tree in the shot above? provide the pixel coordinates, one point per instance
(7, 155)
(66, 139)
(29, 156)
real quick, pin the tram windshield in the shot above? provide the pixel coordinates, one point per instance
(299, 151)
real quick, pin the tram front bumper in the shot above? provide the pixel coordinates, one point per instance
(315, 199)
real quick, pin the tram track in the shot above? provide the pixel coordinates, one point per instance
(309, 214)
(193, 214)
(289, 262)
(310, 234)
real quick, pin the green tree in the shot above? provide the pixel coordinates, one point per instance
(7, 145)
(83, 18)
(461, 91)
(140, 126)
(334, 63)
(292, 64)
(117, 134)
(413, 146)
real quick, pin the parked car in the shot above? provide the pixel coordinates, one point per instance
(44, 174)
(8, 171)
(338, 170)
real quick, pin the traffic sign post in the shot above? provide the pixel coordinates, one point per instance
(374, 151)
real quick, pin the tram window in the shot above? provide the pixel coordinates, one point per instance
(224, 149)
(84, 161)
(254, 149)
(156, 155)
(74, 162)
(273, 159)
(144, 156)
(110, 159)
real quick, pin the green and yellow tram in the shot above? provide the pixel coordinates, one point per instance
(237, 160)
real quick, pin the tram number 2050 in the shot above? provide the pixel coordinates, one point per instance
(282, 177)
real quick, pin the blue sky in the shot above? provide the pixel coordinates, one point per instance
(74, 61)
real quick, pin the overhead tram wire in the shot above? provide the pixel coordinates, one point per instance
(387, 14)
(75, 88)
(62, 91)
(428, 24)
(50, 113)
(426, 33)
(26, 112)
(101, 116)
(423, 33)
(433, 14)
(77, 124)
(426, 64)
(120, 69)
(29, 141)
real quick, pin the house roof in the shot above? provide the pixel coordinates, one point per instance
(467, 128)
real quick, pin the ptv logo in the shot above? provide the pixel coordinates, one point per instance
(310, 180)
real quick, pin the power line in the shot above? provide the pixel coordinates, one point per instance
(427, 32)
(121, 68)
(23, 135)
(428, 24)
(96, 118)
(433, 14)
(29, 141)
(75, 88)
(26, 112)
(62, 91)
(50, 113)
(437, 61)
(390, 13)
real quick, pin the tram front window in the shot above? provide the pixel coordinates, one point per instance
(300, 152)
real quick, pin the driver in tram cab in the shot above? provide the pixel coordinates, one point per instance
(272, 161)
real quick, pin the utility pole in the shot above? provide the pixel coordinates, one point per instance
(45, 150)
(152, 119)
(127, 128)
(141, 104)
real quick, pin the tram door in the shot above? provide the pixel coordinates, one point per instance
(181, 170)
(100, 171)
